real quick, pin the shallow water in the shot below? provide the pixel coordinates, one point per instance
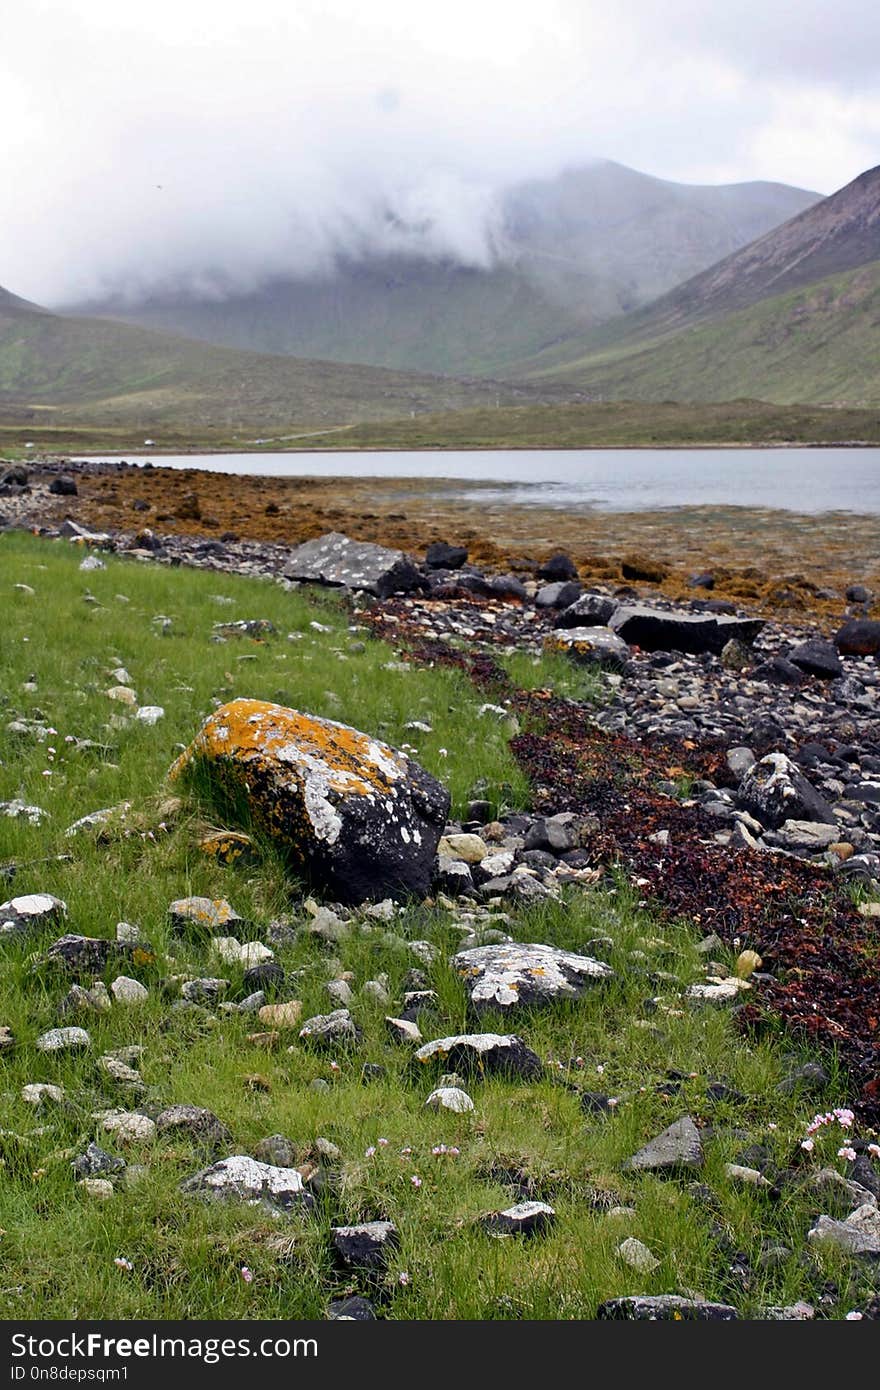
(612, 480)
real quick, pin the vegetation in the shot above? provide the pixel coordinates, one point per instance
(151, 1252)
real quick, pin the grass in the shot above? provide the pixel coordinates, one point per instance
(58, 1245)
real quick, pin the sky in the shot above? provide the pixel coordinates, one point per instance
(208, 146)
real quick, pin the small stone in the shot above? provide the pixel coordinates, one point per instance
(336, 1029)
(678, 1146)
(402, 1030)
(746, 1177)
(64, 1040)
(355, 1308)
(286, 1015)
(365, 1247)
(39, 1091)
(128, 991)
(99, 1188)
(746, 963)
(452, 1098)
(20, 916)
(523, 1219)
(277, 1150)
(858, 1235)
(470, 849)
(637, 1256)
(96, 1162)
(243, 1179)
(484, 1053)
(122, 694)
(202, 915)
(150, 714)
(201, 1124)
(129, 1126)
(339, 992)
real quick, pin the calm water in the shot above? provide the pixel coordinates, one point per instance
(613, 480)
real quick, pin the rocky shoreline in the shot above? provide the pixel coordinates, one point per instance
(752, 744)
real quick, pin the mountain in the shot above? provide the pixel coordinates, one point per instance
(795, 316)
(68, 369)
(573, 251)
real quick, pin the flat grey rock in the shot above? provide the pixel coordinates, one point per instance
(665, 1307)
(510, 975)
(678, 1146)
(360, 565)
(20, 916)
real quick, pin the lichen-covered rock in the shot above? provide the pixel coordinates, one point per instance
(336, 1029)
(20, 916)
(450, 1098)
(203, 915)
(82, 955)
(665, 1307)
(502, 977)
(360, 565)
(359, 817)
(240, 1178)
(63, 1040)
(487, 1053)
(203, 1125)
(589, 646)
(775, 790)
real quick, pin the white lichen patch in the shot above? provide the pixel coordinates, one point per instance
(502, 976)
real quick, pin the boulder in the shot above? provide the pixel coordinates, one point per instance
(360, 818)
(558, 595)
(590, 610)
(524, 1219)
(817, 658)
(440, 556)
(858, 637)
(558, 569)
(365, 1247)
(775, 791)
(486, 1053)
(82, 955)
(202, 1125)
(656, 629)
(336, 559)
(511, 975)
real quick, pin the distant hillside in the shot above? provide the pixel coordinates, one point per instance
(795, 316)
(575, 251)
(81, 369)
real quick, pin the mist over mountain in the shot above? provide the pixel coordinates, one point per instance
(472, 289)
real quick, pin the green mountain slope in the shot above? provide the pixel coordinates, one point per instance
(74, 369)
(820, 343)
(573, 251)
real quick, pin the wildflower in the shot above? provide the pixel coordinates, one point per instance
(874, 1150)
(443, 752)
(334, 1066)
(600, 1068)
(416, 1180)
(844, 1117)
(370, 1152)
(405, 1153)
(383, 1143)
(247, 1274)
(772, 1125)
(47, 772)
(403, 1277)
(121, 1263)
(808, 1145)
(854, 1316)
(847, 1151)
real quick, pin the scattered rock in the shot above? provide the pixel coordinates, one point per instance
(336, 1029)
(64, 1040)
(335, 559)
(450, 1098)
(202, 1125)
(22, 916)
(484, 1053)
(239, 1178)
(524, 1219)
(678, 1146)
(665, 1307)
(512, 975)
(366, 1247)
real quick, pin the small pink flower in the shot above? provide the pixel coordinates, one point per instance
(416, 1180)
(874, 1149)
(403, 1277)
(808, 1145)
(772, 1126)
(247, 1274)
(370, 1152)
(847, 1152)
(121, 1263)
(383, 1143)
(854, 1316)
(334, 1066)
(405, 1153)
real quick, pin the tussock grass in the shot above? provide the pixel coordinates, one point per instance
(58, 1246)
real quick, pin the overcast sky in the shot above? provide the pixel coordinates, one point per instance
(205, 141)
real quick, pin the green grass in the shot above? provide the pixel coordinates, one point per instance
(58, 1246)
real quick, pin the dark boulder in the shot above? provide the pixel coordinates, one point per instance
(559, 568)
(775, 790)
(63, 486)
(557, 595)
(660, 630)
(590, 610)
(817, 658)
(440, 556)
(358, 817)
(858, 637)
